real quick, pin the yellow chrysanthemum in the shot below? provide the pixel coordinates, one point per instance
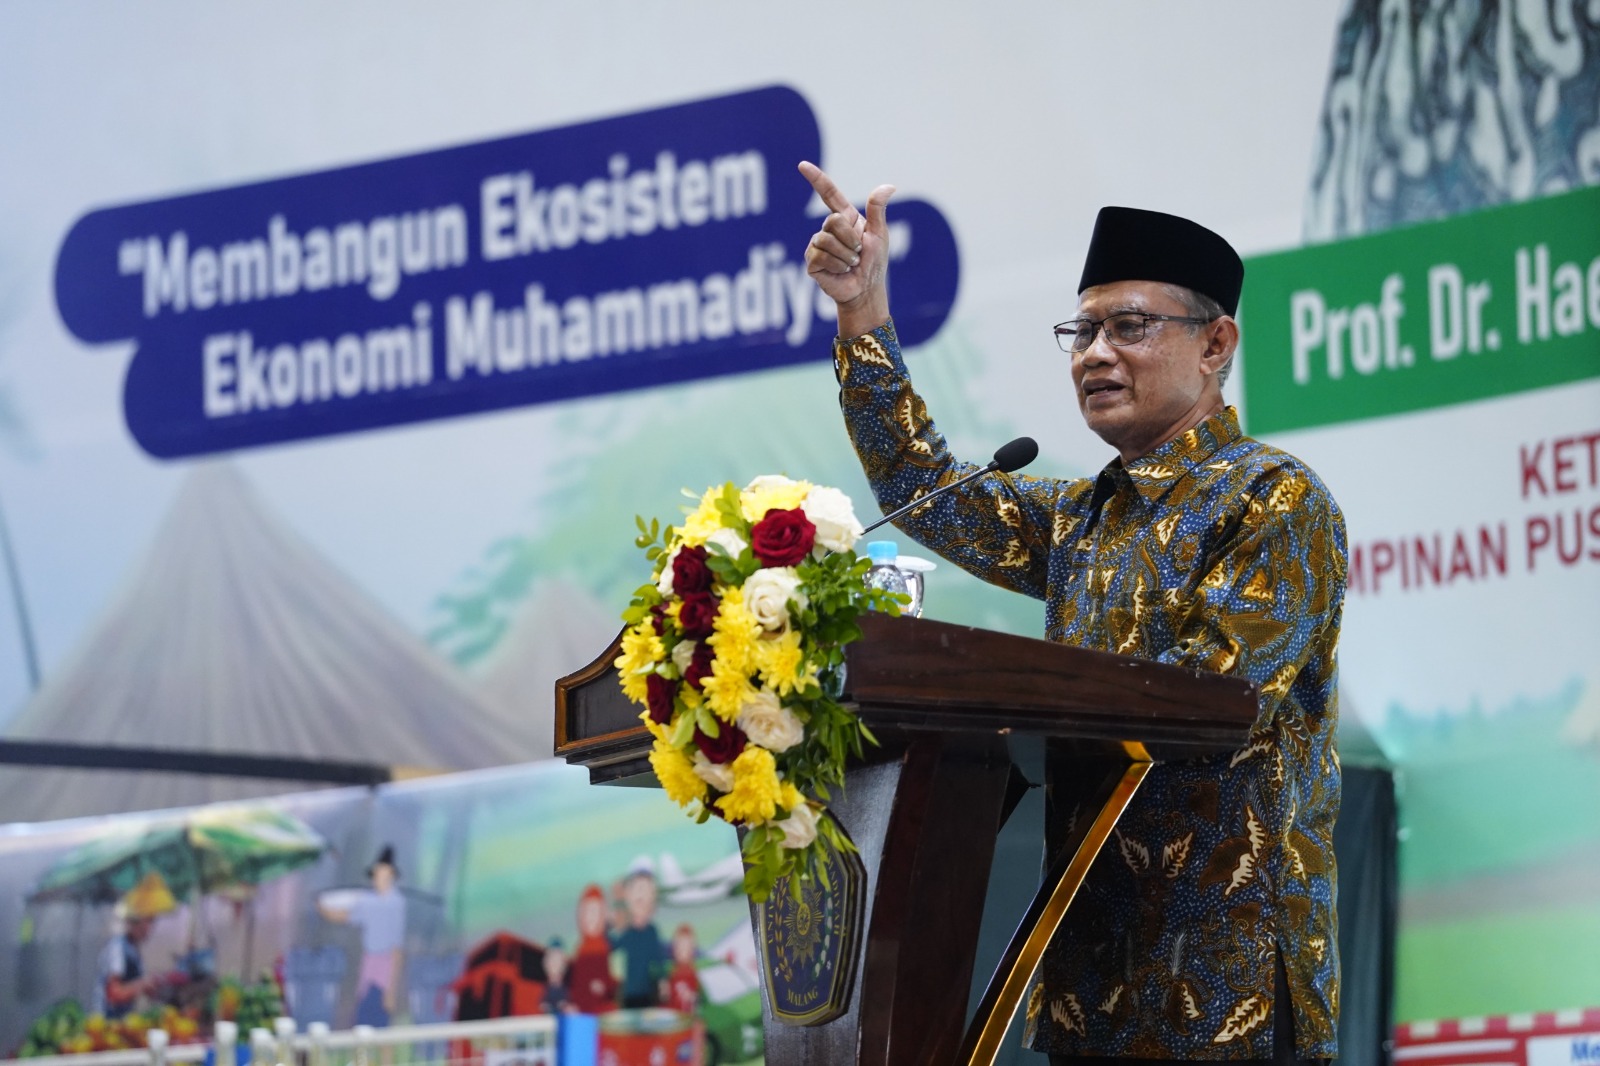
(726, 688)
(756, 788)
(765, 494)
(642, 651)
(789, 797)
(704, 520)
(781, 662)
(635, 688)
(735, 631)
(655, 728)
(676, 774)
(691, 697)
(733, 609)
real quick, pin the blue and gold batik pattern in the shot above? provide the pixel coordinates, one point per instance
(1217, 552)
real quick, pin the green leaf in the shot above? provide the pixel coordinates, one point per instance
(728, 506)
(707, 722)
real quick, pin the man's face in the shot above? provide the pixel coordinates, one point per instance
(382, 877)
(139, 929)
(1138, 396)
(555, 964)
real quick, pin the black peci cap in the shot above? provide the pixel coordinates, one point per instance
(1130, 244)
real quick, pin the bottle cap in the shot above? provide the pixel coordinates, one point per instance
(883, 552)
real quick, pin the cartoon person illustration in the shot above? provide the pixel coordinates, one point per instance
(121, 980)
(683, 982)
(556, 999)
(591, 988)
(381, 915)
(637, 938)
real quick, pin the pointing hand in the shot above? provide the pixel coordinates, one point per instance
(849, 256)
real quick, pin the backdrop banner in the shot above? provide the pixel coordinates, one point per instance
(340, 347)
(519, 890)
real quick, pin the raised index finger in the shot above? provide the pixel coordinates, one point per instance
(828, 191)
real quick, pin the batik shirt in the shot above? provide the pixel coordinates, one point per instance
(1213, 551)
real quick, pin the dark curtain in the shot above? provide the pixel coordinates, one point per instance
(1365, 845)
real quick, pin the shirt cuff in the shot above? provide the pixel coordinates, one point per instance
(869, 358)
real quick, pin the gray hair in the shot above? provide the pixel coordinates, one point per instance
(1199, 305)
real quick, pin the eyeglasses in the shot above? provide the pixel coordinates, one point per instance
(1127, 327)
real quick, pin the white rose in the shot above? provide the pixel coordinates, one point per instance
(767, 594)
(683, 655)
(769, 723)
(664, 582)
(730, 541)
(719, 775)
(800, 828)
(830, 511)
(769, 483)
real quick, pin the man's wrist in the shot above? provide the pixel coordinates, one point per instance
(863, 316)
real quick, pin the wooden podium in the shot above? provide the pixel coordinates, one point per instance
(924, 809)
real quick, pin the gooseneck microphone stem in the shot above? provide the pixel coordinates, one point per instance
(920, 500)
(1009, 457)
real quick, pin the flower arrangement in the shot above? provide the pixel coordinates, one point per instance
(731, 649)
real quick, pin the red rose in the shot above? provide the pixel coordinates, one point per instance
(659, 694)
(690, 573)
(658, 618)
(724, 747)
(782, 538)
(699, 666)
(699, 610)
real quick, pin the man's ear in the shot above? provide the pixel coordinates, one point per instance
(1222, 340)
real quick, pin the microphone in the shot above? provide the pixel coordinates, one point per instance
(1014, 455)
(1009, 457)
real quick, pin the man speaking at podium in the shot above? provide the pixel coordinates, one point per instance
(1205, 929)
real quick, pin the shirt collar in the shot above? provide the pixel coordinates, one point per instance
(1153, 474)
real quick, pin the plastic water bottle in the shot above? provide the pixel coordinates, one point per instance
(885, 574)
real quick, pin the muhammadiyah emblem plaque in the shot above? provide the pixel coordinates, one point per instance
(809, 941)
